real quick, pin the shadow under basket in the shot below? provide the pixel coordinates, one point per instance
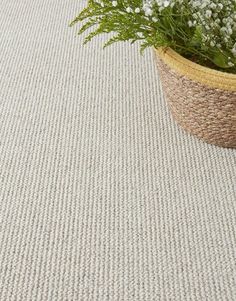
(202, 100)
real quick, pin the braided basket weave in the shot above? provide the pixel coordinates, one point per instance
(202, 100)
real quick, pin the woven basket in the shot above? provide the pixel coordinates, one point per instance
(202, 100)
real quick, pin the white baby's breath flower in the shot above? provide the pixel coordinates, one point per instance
(114, 3)
(129, 10)
(234, 51)
(208, 13)
(149, 12)
(140, 34)
(166, 3)
(190, 23)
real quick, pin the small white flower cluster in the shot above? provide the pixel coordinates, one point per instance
(136, 10)
(161, 4)
(148, 8)
(217, 19)
(114, 3)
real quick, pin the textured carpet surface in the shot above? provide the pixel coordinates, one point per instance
(102, 197)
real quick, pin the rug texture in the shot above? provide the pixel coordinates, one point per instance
(102, 196)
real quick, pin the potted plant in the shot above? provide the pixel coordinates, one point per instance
(195, 47)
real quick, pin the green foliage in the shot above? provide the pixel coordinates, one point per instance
(167, 28)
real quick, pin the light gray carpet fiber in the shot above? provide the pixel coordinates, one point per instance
(102, 196)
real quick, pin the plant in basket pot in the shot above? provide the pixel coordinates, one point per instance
(195, 48)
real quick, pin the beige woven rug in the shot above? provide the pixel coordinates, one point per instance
(102, 197)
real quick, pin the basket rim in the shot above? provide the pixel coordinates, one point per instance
(204, 75)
